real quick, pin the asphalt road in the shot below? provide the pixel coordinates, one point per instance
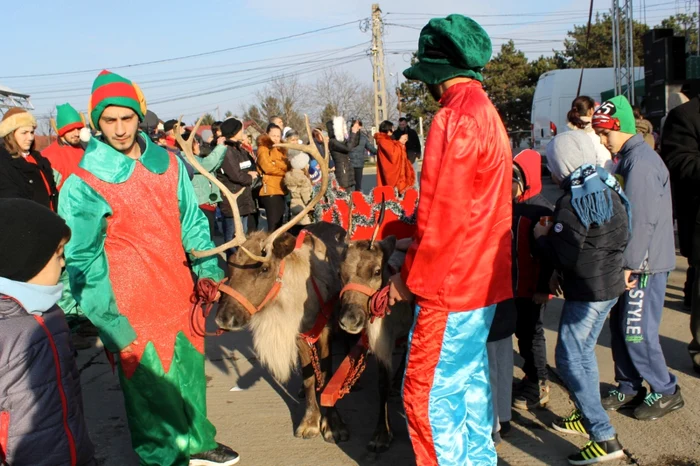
(256, 415)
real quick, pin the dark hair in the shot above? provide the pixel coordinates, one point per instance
(12, 147)
(386, 126)
(185, 136)
(579, 108)
(291, 133)
(272, 126)
(356, 120)
(216, 126)
(403, 119)
(637, 113)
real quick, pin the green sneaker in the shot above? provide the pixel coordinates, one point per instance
(571, 425)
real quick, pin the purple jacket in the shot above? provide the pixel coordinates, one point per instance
(41, 406)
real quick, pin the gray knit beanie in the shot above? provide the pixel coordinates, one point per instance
(568, 151)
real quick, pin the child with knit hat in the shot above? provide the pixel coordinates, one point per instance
(134, 214)
(585, 242)
(41, 407)
(649, 257)
(67, 150)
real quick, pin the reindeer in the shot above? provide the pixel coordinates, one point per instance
(366, 268)
(284, 289)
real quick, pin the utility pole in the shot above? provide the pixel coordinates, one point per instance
(380, 98)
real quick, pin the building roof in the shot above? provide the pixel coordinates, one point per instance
(7, 91)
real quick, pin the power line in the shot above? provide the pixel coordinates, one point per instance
(196, 55)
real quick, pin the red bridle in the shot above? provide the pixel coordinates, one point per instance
(378, 305)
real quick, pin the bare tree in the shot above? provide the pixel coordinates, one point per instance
(284, 97)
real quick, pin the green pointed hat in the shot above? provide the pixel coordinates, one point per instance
(450, 47)
(615, 114)
(67, 119)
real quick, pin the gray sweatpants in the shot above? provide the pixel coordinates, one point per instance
(501, 375)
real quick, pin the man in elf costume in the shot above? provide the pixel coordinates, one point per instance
(66, 151)
(459, 265)
(134, 213)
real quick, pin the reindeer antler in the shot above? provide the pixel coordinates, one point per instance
(239, 237)
(312, 150)
(380, 221)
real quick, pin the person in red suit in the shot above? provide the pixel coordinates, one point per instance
(393, 167)
(66, 152)
(459, 264)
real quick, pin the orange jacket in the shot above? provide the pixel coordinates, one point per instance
(460, 259)
(272, 165)
(393, 167)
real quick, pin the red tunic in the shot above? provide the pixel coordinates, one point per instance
(64, 159)
(461, 256)
(393, 167)
(147, 264)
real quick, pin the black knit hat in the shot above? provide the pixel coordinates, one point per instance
(230, 127)
(29, 237)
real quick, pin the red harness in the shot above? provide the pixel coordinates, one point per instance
(378, 299)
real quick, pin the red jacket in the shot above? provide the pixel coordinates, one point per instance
(64, 159)
(460, 259)
(393, 167)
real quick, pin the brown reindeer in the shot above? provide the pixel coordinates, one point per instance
(283, 288)
(366, 268)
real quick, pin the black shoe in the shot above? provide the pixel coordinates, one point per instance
(657, 405)
(505, 429)
(532, 395)
(571, 425)
(220, 456)
(598, 452)
(616, 400)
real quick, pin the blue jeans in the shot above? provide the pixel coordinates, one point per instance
(579, 328)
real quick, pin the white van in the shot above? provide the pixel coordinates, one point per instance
(553, 96)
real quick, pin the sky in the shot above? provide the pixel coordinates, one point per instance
(233, 47)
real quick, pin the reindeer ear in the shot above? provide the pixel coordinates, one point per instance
(283, 246)
(388, 245)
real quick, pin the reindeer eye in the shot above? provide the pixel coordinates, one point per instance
(377, 272)
(265, 269)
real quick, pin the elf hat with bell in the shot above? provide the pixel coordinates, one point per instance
(67, 119)
(111, 89)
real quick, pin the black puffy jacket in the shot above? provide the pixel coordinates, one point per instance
(233, 173)
(340, 153)
(20, 178)
(591, 261)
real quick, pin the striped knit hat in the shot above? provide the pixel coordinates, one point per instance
(68, 119)
(111, 89)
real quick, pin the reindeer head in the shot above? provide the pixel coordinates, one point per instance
(255, 268)
(251, 278)
(364, 263)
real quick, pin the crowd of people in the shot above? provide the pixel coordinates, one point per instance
(95, 230)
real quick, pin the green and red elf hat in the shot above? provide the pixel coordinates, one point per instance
(111, 89)
(67, 119)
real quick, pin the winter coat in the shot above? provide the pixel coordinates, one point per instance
(301, 191)
(233, 174)
(647, 183)
(208, 193)
(646, 129)
(41, 406)
(393, 167)
(273, 165)
(28, 177)
(591, 261)
(359, 153)
(680, 150)
(603, 158)
(531, 272)
(504, 321)
(340, 153)
(412, 145)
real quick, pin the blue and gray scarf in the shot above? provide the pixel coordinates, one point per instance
(591, 195)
